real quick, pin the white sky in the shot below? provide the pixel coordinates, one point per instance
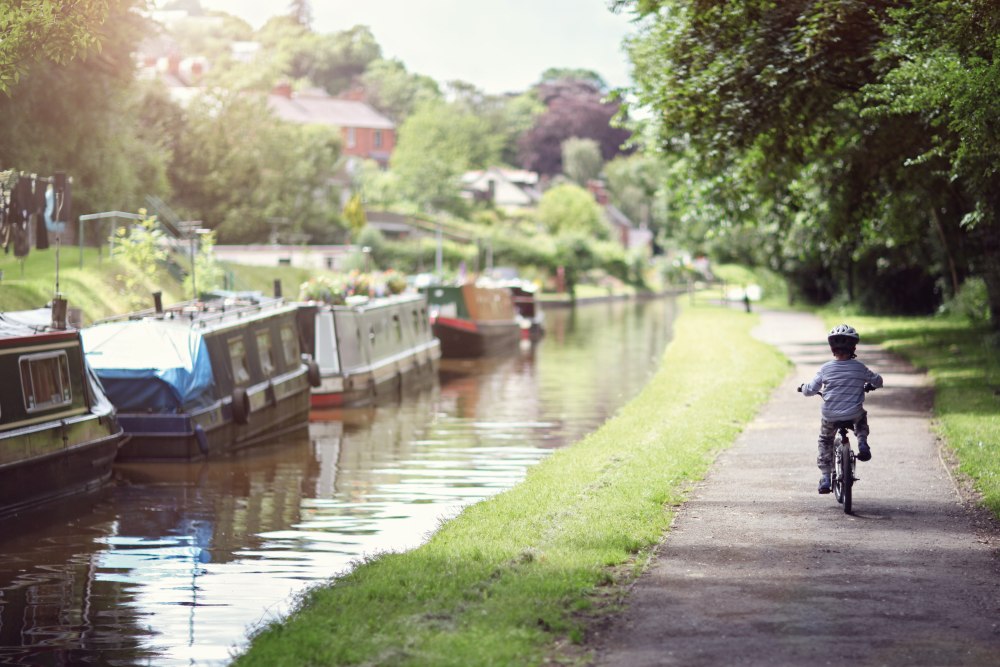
(496, 46)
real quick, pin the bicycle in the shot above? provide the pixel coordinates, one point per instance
(842, 477)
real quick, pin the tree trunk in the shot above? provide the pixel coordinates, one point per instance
(952, 271)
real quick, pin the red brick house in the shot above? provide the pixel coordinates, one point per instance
(367, 134)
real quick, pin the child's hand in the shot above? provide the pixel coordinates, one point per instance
(800, 388)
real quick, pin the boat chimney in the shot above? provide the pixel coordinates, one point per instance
(58, 313)
(158, 302)
(277, 288)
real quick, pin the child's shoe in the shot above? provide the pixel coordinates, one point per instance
(864, 452)
(824, 483)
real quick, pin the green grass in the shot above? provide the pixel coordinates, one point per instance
(774, 291)
(93, 288)
(963, 360)
(511, 576)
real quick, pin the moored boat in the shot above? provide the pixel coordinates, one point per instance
(58, 431)
(529, 310)
(369, 348)
(203, 379)
(473, 320)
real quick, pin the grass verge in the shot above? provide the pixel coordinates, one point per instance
(511, 576)
(963, 359)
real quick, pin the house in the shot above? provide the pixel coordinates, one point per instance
(367, 134)
(509, 189)
(626, 232)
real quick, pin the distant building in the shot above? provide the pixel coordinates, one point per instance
(367, 134)
(331, 257)
(631, 237)
(509, 189)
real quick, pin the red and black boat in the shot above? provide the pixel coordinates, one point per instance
(473, 319)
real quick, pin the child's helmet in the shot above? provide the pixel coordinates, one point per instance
(843, 335)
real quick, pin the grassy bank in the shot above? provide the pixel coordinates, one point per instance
(963, 359)
(96, 289)
(512, 575)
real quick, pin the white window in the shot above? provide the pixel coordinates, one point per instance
(378, 138)
(264, 352)
(238, 357)
(352, 139)
(290, 345)
(45, 382)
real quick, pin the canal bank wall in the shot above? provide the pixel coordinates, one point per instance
(524, 573)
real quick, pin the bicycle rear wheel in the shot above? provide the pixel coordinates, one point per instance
(837, 479)
(845, 470)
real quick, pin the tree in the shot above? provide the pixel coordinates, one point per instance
(396, 92)
(581, 160)
(573, 109)
(301, 11)
(437, 144)
(237, 169)
(569, 209)
(80, 118)
(589, 76)
(354, 214)
(844, 123)
(48, 30)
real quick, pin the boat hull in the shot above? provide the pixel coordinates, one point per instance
(275, 409)
(377, 385)
(461, 339)
(56, 461)
(370, 351)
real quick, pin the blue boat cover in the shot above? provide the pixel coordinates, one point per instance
(150, 365)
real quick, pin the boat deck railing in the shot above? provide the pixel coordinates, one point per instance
(203, 313)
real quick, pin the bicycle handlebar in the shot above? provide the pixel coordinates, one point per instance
(868, 387)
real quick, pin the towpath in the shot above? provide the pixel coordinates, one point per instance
(759, 569)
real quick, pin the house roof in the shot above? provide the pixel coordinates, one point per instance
(322, 109)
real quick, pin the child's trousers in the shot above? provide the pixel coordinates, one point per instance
(827, 431)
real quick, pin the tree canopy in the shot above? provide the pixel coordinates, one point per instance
(34, 30)
(858, 138)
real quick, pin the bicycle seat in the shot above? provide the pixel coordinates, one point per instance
(844, 424)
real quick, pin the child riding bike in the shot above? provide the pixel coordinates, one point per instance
(842, 383)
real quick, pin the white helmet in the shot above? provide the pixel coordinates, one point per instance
(843, 333)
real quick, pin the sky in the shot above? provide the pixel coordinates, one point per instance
(496, 46)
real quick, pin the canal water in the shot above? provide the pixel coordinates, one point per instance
(173, 564)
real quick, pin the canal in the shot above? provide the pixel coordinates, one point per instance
(173, 564)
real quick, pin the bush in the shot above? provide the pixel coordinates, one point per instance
(971, 302)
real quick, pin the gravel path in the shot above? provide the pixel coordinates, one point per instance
(759, 569)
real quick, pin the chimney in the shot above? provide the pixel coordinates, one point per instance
(59, 313)
(597, 189)
(283, 89)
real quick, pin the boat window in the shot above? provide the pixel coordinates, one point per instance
(290, 345)
(399, 328)
(45, 381)
(238, 357)
(265, 352)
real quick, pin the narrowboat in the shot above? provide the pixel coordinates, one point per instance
(473, 319)
(203, 378)
(369, 349)
(58, 431)
(529, 311)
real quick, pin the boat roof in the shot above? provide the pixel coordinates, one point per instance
(222, 310)
(31, 324)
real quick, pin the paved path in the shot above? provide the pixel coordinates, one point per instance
(754, 568)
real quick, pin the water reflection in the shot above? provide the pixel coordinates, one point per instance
(175, 562)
